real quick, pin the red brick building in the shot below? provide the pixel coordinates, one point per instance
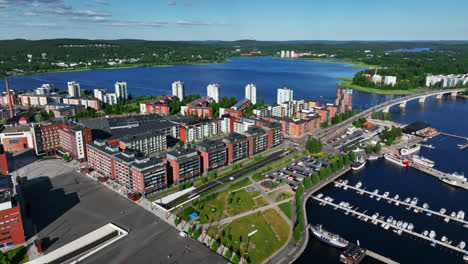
(144, 175)
(3, 162)
(296, 127)
(257, 139)
(344, 99)
(155, 107)
(237, 147)
(11, 224)
(212, 154)
(17, 138)
(71, 138)
(232, 112)
(60, 110)
(274, 133)
(184, 164)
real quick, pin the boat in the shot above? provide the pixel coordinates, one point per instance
(410, 149)
(399, 232)
(425, 206)
(461, 245)
(320, 195)
(327, 237)
(428, 213)
(373, 157)
(459, 176)
(408, 200)
(389, 219)
(405, 225)
(397, 203)
(396, 197)
(449, 181)
(416, 210)
(465, 257)
(387, 226)
(453, 215)
(358, 185)
(461, 215)
(386, 194)
(410, 226)
(446, 219)
(358, 164)
(443, 239)
(433, 244)
(399, 223)
(432, 234)
(425, 233)
(378, 198)
(396, 159)
(347, 212)
(443, 210)
(423, 161)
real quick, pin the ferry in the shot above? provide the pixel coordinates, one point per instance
(329, 238)
(396, 159)
(358, 164)
(373, 157)
(423, 161)
(459, 176)
(410, 149)
(449, 181)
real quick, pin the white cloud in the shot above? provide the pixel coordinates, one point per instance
(91, 19)
(172, 3)
(101, 2)
(62, 11)
(30, 14)
(39, 24)
(192, 23)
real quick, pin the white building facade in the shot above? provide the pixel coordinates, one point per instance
(284, 95)
(251, 92)
(121, 91)
(178, 89)
(390, 80)
(212, 90)
(74, 89)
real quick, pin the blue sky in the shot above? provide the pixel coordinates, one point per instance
(235, 19)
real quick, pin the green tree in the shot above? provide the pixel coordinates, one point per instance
(340, 162)
(228, 254)
(352, 156)
(235, 259)
(307, 182)
(181, 143)
(334, 165)
(38, 118)
(4, 121)
(377, 147)
(315, 178)
(176, 221)
(369, 149)
(214, 245)
(346, 159)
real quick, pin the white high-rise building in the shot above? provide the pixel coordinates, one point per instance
(282, 54)
(212, 90)
(74, 89)
(284, 95)
(46, 88)
(287, 54)
(121, 91)
(293, 54)
(100, 94)
(178, 89)
(251, 92)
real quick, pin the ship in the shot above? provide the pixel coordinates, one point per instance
(422, 161)
(373, 157)
(327, 237)
(396, 159)
(410, 149)
(449, 181)
(358, 164)
(459, 176)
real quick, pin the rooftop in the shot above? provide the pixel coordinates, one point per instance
(210, 145)
(181, 153)
(234, 137)
(254, 131)
(16, 129)
(240, 103)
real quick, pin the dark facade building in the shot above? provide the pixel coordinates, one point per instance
(237, 147)
(257, 138)
(274, 133)
(212, 153)
(184, 163)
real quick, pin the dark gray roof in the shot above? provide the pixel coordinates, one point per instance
(234, 137)
(208, 145)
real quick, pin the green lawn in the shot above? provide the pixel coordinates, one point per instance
(355, 64)
(258, 177)
(263, 243)
(380, 91)
(17, 256)
(283, 196)
(261, 201)
(286, 208)
(240, 202)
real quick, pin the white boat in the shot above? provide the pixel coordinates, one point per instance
(465, 257)
(443, 210)
(389, 219)
(327, 237)
(399, 232)
(425, 233)
(399, 223)
(387, 226)
(358, 185)
(422, 161)
(432, 234)
(408, 200)
(405, 225)
(396, 159)
(410, 226)
(461, 245)
(446, 219)
(425, 206)
(320, 195)
(378, 198)
(416, 210)
(453, 215)
(459, 176)
(443, 239)
(386, 194)
(358, 164)
(397, 203)
(428, 213)
(461, 215)
(396, 197)
(414, 201)
(410, 149)
(373, 157)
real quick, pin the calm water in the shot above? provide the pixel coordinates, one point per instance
(309, 80)
(317, 81)
(409, 50)
(446, 115)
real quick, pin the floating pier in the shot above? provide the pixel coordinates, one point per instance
(451, 135)
(436, 241)
(407, 204)
(462, 146)
(440, 175)
(427, 146)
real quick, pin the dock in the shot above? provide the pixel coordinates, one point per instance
(451, 135)
(407, 204)
(380, 257)
(439, 174)
(436, 241)
(462, 146)
(427, 146)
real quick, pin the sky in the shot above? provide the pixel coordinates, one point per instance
(235, 19)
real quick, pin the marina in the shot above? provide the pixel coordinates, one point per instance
(408, 204)
(451, 135)
(433, 241)
(455, 181)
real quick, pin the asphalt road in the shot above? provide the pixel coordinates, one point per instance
(273, 157)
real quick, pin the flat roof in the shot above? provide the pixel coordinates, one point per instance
(16, 129)
(181, 152)
(234, 137)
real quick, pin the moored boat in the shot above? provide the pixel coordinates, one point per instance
(410, 149)
(422, 161)
(327, 237)
(396, 159)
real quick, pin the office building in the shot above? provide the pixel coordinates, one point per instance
(251, 92)
(237, 147)
(74, 89)
(11, 223)
(184, 163)
(284, 95)
(274, 133)
(390, 80)
(16, 138)
(178, 89)
(46, 88)
(121, 91)
(63, 110)
(212, 91)
(212, 154)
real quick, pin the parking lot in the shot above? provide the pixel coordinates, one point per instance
(293, 173)
(351, 137)
(65, 205)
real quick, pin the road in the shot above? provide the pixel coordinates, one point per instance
(273, 157)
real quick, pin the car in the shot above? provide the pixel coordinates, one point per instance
(183, 234)
(231, 178)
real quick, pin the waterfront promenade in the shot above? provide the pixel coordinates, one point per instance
(440, 175)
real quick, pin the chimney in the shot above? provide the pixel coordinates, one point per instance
(10, 104)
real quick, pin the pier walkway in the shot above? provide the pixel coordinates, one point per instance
(436, 241)
(440, 175)
(407, 204)
(451, 135)
(379, 257)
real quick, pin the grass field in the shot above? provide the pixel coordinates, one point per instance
(258, 177)
(380, 91)
(354, 64)
(261, 201)
(283, 196)
(286, 208)
(263, 243)
(240, 202)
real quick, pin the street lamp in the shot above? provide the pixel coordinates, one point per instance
(248, 242)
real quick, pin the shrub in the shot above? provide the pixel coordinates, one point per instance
(214, 246)
(235, 259)
(228, 254)
(196, 233)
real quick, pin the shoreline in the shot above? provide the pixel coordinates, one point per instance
(378, 91)
(353, 64)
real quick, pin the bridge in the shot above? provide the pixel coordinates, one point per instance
(332, 132)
